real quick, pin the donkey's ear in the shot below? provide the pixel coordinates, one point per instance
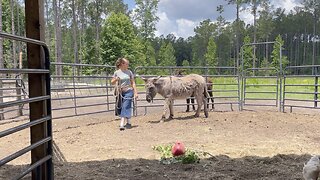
(156, 78)
(144, 79)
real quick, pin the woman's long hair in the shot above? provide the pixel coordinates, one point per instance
(120, 61)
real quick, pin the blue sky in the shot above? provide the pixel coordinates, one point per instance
(180, 17)
(131, 3)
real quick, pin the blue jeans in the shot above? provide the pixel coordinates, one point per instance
(126, 107)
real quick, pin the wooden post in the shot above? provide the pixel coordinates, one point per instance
(35, 29)
(19, 87)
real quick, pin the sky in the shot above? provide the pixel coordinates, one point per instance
(180, 17)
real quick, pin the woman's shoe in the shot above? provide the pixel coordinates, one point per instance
(128, 126)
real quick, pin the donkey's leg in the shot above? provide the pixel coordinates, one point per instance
(199, 102)
(188, 103)
(192, 102)
(171, 109)
(165, 108)
(212, 100)
(205, 106)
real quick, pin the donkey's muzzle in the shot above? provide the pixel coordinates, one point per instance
(148, 98)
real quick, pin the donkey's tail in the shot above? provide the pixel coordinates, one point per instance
(206, 96)
(206, 93)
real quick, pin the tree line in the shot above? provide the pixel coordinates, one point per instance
(100, 31)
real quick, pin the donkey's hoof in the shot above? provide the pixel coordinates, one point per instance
(163, 118)
(196, 115)
(171, 117)
(187, 110)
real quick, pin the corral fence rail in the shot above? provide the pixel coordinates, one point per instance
(301, 87)
(225, 83)
(261, 89)
(81, 87)
(41, 145)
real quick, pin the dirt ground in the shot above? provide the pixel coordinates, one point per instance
(256, 144)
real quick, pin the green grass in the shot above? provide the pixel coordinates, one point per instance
(222, 84)
(255, 85)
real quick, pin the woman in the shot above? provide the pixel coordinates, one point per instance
(127, 87)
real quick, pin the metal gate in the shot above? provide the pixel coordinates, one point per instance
(261, 86)
(225, 83)
(41, 144)
(81, 87)
(268, 96)
(301, 87)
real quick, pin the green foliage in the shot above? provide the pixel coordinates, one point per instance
(211, 54)
(145, 15)
(276, 54)
(199, 42)
(166, 55)
(119, 40)
(185, 63)
(189, 157)
(247, 53)
(150, 54)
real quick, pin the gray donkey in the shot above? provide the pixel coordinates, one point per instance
(172, 88)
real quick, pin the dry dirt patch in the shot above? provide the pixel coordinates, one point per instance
(244, 145)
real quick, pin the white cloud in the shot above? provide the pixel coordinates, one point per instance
(165, 25)
(180, 17)
(185, 27)
(286, 4)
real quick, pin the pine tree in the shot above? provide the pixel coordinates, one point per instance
(119, 40)
(166, 55)
(275, 55)
(247, 53)
(211, 54)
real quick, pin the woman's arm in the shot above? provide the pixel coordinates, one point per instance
(114, 80)
(133, 84)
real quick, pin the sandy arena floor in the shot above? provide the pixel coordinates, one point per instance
(257, 144)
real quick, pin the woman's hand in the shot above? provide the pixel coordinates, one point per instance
(136, 95)
(114, 80)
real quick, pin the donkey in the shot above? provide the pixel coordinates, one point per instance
(209, 89)
(179, 73)
(172, 88)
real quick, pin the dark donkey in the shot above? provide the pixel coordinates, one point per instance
(179, 73)
(172, 88)
(209, 89)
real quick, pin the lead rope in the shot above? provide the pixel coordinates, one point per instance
(119, 97)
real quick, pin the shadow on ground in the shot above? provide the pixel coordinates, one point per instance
(282, 167)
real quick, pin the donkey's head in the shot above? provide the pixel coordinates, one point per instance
(150, 87)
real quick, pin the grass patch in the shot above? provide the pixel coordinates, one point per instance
(189, 157)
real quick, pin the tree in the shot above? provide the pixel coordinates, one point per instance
(58, 38)
(247, 53)
(116, 6)
(199, 42)
(277, 48)
(166, 55)
(119, 40)
(146, 19)
(313, 6)
(150, 54)
(238, 4)
(74, 35)
(211, 54)
(265, 25)
(183, 50)
(145, 16)
(14, 52)
(254, 6)
(1, 63)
